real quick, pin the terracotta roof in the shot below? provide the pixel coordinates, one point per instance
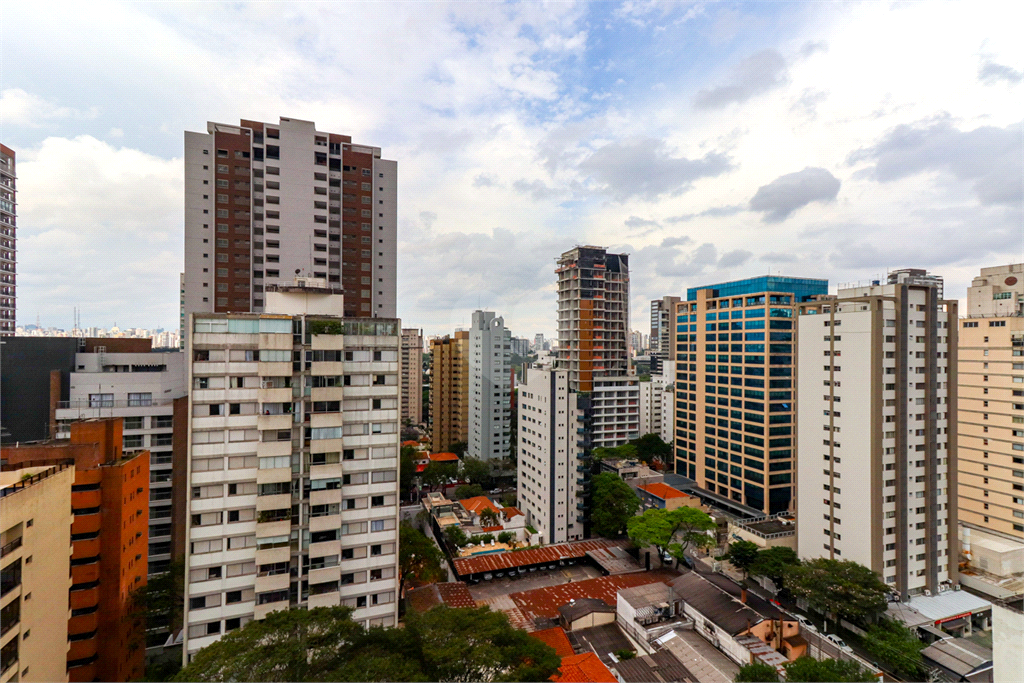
(444, 457)
(421, 468)
(544, 602)
(454, 594)
(663, 491)
(556, 639)
(478, 504)
(585, 668)
(522, 558)
(511, 512)
(488, 529)
(410, 443)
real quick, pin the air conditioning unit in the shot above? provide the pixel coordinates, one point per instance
(956, 587)
(927, 593)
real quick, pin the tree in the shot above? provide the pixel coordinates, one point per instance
(160, 602)
(650, 447)
(614, 503)
(458, 448)
(288, 645)
(807, 670)
(838, 587)
(742, 554)
(476, 471)
(662, 528)
(455, 536)
(507, 537)
(419, 559)
(895, 644)
(623, 452)
(439, 473)
(324, 644)
(757, 673)
(407, 469)
(488, 517)
(772, 562)
(509, 499)
(468, 491)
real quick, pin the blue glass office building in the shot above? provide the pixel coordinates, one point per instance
(734, 388)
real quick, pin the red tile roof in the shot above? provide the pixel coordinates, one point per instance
(488, 529)
(421, 468)
(454, 594)
(556, 639)
(410, 443)
(663, 491)
(544, 602)
(478, 504)
(465, 566)
(511, 512)
(584, 668)
(444, 457)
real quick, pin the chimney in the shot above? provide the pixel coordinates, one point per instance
(743, 596)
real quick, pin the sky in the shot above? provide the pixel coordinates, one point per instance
(711, 141)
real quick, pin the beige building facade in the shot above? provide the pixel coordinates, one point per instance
(35, 564)
(449, 390)
(412, 375)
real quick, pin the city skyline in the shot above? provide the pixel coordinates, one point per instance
(710, 143)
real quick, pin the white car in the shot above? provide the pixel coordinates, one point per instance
(806, 623)
(838, 642)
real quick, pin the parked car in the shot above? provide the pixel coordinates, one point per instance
(488, 576)
(806, 623)
(552, 566)
(838, 642)
(498, 575)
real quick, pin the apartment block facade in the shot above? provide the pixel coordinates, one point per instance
(147, 390)
(662, 326)
(553, 469)
(8, 240)
(293, 463)
(593, 315)
(265, 202)
(35, 565)
(109, 541)
(490, 388)
(734, 392)
(657, 398)
(449, 390)
(412, 376)
(991, 404)
(879, 449)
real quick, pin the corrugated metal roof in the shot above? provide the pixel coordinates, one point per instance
(464, 566)
(948, 604)
(958, 655)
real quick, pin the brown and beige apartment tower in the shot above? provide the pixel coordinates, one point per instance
(35, 562)
(449, 390)
(266, 202)
(593, 315)
(662, 312)
(991, 416)
(412, 376)
(8, 241)
(877, 452)
(734, 392)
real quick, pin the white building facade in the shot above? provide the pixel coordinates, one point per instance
(878, 451)
(293, 463)
(490, 388)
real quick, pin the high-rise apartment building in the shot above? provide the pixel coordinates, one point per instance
(663, 311)
(147, 389)
(878, 451)
(109, 538)
(656, 401)
(734, 388)
(8, 241)
(293, 463)
(265, 202)
(552, 467)
(490, 388)
(412, 376)
(991, 404)
(593, 315)
(449, 390)
(520, 347)
(35, 563)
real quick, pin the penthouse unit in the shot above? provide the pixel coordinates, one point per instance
(881, 444)
(35, 557)
(266, 201)
(109, 539)
(293, 463)
(490, 388)
(734, 388)
(412, 376)
(991, 405)
(8, 240)
(449, 391)
(147, 389)
(593, 315)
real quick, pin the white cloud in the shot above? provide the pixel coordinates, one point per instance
(20, 108)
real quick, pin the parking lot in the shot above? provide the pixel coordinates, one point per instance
(486, 590)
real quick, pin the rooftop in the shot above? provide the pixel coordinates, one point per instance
(575, 609)
(454, 594)
(959, 655)
(948, 604)
(544, 602)
(524, 558)
(719, 605)
(660, 666)
(797, 286)
(663, 491)
(556, 639)
(767, 527)
(604, 640)
(443, 457)
(615, 560)
(478, 504)
(649, 594)
(584, 668)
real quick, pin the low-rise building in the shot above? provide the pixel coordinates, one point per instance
(957, 660)
(766, 531)
(663, 497)
(633, 472)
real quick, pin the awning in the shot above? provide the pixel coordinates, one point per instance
(955, 623)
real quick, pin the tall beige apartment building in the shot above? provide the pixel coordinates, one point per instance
(412, 375)
(991, 415)
(265, 202)
(8, 241)
(449, 390)
(35, 562)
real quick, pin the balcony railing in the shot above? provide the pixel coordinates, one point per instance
(119, 403)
